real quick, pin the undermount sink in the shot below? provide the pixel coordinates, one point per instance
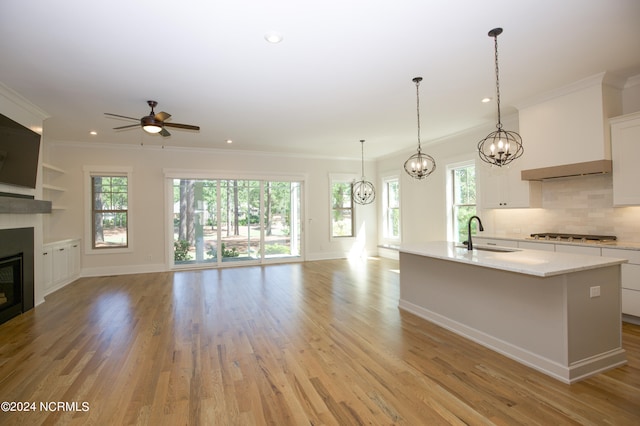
(492, 248)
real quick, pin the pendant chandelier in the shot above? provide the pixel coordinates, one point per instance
(419, 165)
(500, 147)
(363, 191)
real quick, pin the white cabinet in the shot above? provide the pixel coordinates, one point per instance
(494, 242)
(502, 187)
(47, 267)
(625, 152)
(590, 251)
(630, 279)
(532, 245)
(61, 263)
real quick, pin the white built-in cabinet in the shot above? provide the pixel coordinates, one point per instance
(502, 188)
(625, 152)
(630, 270)
(630, 279)
(61, 263)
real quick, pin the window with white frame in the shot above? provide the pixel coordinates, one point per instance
(108, 198)
(461, 185)
(342, 211)
(391, 208)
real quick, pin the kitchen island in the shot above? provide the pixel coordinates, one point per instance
(559, 313)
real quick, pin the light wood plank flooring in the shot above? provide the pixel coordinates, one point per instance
(298, 344)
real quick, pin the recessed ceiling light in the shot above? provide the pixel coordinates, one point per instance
(229, 141)
(273, 37)
(485, 100)
(93, 132)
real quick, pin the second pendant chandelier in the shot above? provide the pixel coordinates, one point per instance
(419, 165)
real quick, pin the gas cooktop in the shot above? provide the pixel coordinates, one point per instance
(550, 236)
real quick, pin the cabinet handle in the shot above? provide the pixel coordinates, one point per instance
(75, 245)
(62, 249)
(45, 253)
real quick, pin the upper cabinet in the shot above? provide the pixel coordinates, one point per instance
(625, 151)
(570, 125)
(502, 188)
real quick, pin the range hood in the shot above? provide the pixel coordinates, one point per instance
(566, 130)
(568, 170)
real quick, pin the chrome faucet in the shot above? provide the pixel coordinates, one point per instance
(481, 229)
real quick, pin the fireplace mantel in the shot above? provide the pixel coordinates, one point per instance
(23, 205)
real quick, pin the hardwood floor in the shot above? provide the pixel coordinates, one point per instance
(313, 343)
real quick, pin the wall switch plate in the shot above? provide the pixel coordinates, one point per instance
(594, 291)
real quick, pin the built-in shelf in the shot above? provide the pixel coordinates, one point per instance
(53, 188)
(51, 167)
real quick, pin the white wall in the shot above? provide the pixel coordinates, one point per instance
(423, 202)
(148, 200)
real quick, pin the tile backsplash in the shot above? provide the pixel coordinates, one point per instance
(577, 205)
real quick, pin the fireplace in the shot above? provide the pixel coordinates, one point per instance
(11, 286)
(16, 272)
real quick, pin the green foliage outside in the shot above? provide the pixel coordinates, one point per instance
(181, 251)
(464, 201)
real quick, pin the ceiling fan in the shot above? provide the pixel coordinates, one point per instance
(153, 123)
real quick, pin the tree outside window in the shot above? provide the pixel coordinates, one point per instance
(342, 220)
(391, 207)
(110, 201)
(463, 180)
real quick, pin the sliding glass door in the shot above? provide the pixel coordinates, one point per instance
(282, 219)
(235, 220)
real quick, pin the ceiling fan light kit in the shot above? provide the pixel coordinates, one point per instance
(154, 122)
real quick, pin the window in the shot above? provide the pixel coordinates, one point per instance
(107, 197)
(391, 208)
(462, 196)
(109, 211)
(342, 220)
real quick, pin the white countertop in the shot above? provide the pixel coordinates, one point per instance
(624, 245)
(523, 261)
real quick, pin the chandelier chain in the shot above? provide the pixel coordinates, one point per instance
(495, 38)
(362, 151)
(418, 110)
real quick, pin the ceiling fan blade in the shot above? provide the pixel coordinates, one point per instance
(182, 126)
(121, 116)
(162, 116)
(164, 132)
(130, 126)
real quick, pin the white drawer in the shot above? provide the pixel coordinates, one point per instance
(590, 251)
(494, 242)
(633, 256)
(631, 276)
(631, 302)
(529, 245)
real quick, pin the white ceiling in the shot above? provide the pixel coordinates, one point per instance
(342, 73)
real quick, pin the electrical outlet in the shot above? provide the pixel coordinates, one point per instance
(594, 291)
